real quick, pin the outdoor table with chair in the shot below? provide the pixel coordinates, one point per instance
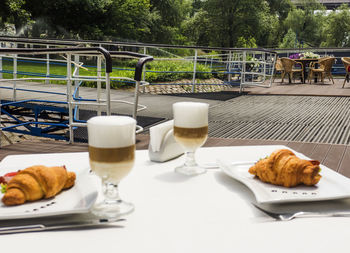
(346, 62)
(308, 68)
(306, 62)
(290, 68)
(323, 68)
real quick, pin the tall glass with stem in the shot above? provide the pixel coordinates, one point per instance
(111, 155)
(191, 132)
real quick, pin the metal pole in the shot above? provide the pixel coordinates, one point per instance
(143, 72)
(136, 99)
(47, 66)
(194, 71)
(229, 76)
(1, 64)
(76, 82)
(15, 75)
(265, 60)
(1, 133)
(69, 97)
(99, 63)
(108, 93)
(243, 71)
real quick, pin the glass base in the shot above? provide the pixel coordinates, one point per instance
(190, 170)
(113, 209)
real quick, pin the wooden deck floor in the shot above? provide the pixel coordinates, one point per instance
(333, 156)
(297, 88)
(336, 157)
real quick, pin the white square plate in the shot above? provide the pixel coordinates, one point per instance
(331, 186)
(78, 199)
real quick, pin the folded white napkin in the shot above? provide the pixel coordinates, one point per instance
(162, 145)
(157, 134)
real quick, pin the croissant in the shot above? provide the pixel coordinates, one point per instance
(37, 182)
(283, 168)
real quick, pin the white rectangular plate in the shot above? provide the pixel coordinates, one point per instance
(78, 199)
(331, 186)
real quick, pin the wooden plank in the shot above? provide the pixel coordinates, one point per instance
(217, 142)
(320, 152)
(268, 142)
(295, 145)
(344, 167)
(307, 148)
(334, 156)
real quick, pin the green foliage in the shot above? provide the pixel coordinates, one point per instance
(246, 43)
(306, 22)
(218, 23)
(336, 29)
(169, 71)
(289, 40)
(156, 71)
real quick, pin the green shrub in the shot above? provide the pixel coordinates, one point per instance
(156, 71)
(165, 71)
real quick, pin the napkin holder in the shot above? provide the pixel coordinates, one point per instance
(169, 149)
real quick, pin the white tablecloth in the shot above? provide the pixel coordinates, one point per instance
(173, 213)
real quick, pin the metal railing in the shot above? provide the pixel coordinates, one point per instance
(226, 66)
(73, 100)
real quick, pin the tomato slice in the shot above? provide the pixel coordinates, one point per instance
(11, 174)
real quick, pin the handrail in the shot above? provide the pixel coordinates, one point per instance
(79, 42)
(141, 62)
(102, 50)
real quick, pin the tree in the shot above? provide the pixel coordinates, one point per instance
(247, 19)
(337, 28)
(195, 29)
(169, 16)
(306, 22)
(12, 11)
(289, 40)
(91, 19)
(280, 7)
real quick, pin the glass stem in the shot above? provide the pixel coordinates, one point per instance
(190, 161)
(110, 192)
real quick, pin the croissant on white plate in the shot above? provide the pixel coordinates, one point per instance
(284, 168)
(37, 182)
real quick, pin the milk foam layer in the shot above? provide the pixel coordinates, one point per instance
(111, 131)
(190, 114)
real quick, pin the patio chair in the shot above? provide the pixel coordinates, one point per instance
(279, 69)
(324, 68)
(289, 67)
(346, 62)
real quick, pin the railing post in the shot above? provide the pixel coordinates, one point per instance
(108, 93)
(194, 71)
(99, 63)
(229, 76)
(265, 61)
(243, 71)
(47, 67)
(15, 75)
(144, 72)
(1, 76)
(76, 82)
(69, 97)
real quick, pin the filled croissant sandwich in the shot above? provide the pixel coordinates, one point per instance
(37, 182)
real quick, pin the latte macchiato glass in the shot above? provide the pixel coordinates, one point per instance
(111, 155)
(191, 132)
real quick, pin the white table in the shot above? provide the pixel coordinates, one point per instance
(174, 213)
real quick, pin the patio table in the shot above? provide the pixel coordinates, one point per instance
(306, 62)
(207, 213)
